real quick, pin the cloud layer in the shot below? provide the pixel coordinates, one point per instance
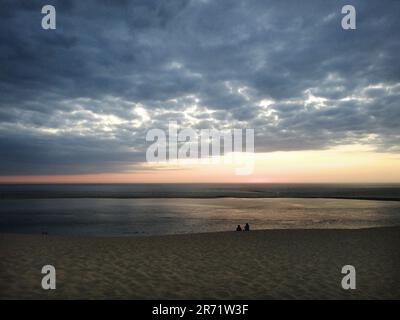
(80, 99)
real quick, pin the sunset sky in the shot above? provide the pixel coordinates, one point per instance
(76, 102)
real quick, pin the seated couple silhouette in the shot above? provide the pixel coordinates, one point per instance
(246, 227)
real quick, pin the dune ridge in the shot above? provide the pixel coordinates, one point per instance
(264, 264)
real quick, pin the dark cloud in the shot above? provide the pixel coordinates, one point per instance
(81, 98)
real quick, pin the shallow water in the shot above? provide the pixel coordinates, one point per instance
(178, 215)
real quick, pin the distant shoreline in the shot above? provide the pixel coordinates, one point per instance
(377, 192)
(196, 197)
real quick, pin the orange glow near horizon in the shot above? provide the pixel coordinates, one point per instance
(344, 164)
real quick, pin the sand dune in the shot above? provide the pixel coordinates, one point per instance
(274, 264)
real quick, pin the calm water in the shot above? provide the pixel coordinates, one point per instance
(149, 216)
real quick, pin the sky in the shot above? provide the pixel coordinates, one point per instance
(76, 102)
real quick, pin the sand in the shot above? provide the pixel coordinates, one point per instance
(268, 264)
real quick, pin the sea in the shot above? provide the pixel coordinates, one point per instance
(160, 209)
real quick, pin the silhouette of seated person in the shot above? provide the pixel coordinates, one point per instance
(239, 228)
(247, 227)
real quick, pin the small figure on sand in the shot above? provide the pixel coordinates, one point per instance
(247, 227)
(238, 228)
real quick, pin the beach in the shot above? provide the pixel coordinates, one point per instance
(262, 264)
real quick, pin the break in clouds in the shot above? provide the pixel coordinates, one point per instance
(80, 99)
